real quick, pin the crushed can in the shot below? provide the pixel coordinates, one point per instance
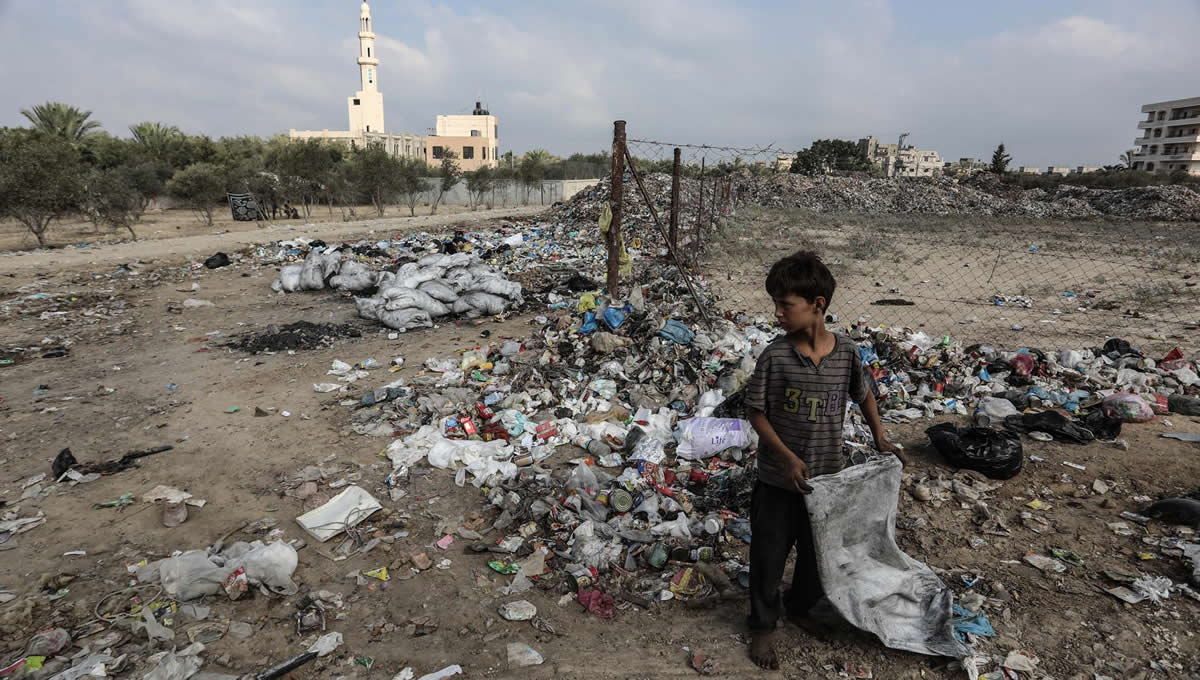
(485, 413)
(468, 427)
(545, 431)
(698, 476)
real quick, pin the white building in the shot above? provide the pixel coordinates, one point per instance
(475, 138)
(1170, 141)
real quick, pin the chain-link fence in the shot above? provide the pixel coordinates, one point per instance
(977, 278)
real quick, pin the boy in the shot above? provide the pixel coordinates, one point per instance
(796, 401)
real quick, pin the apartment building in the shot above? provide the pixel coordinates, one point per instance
(474, 138)
(1170, 140)
(901, 161)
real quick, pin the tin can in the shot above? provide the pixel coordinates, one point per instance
(485, 413)
(698, 476)
(468, 426)
(523, 460)
(620, 500)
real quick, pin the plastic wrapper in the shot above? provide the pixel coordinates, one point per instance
(704, 437)
(1128, 408)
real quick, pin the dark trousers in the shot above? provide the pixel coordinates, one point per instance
(778, 521)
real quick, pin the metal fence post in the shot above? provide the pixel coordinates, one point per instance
(674, 237)
(699, 218)
(615, 199)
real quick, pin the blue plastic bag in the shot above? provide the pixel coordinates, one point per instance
(676, 332)
(589, 324)
(613, 318)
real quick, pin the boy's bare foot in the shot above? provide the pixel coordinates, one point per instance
(762, 650)
(810, 625)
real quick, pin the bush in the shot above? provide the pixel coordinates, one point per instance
(41, 179)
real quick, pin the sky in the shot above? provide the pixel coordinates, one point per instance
(1059, 83)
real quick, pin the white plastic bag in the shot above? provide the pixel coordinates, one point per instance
(704, 437)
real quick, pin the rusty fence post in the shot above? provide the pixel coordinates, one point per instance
(674, 236)
(699, 218)
(615, 200)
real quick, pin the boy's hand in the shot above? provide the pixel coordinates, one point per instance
(887, 447)
(798, 473)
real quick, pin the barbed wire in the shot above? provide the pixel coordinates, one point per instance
(1020, 281)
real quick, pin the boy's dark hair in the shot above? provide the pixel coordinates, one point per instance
(801, 273)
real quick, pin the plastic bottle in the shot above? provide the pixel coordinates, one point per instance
(595, 447)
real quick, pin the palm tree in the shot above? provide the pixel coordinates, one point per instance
(156, 138)
(61, 120)
(1127, 159)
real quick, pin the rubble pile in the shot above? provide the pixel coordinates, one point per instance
(932, 196)
(642, 403)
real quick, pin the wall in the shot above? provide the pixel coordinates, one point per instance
(509, 194)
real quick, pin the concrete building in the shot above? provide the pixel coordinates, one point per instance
(1084, 169)
(964, 166)
(1058, 170)
(1026, 170)
(1170, 141)
(475, 138)
(901, 161)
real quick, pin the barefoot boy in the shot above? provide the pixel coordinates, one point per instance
(796, 401)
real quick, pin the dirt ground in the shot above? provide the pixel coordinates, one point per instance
(158, 224)
(137, 375)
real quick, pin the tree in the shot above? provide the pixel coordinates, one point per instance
(1127, 159)
(1000, 160)
(479, 183)
(304, 167)
(157, 140)
(826, 155)
(532, 170)
(199, 186)
(113, 199)
(61, 120)
(377, 173)
(41, 178)
(450, 175)
(412, 182)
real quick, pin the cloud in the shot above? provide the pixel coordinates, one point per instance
(1057, 87)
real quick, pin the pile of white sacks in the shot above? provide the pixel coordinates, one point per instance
(416, 294)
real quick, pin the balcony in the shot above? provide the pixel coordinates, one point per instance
(1167, 158)
(1147, 141)
(1191, 120)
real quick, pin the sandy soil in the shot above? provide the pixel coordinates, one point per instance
(138, 375)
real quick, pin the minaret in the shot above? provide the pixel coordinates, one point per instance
(366, 106)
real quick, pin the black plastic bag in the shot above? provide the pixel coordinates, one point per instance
(995, 453)
(1101, 425)
(1052, 423)
(217, 261)
(734, 406)
(1116, 347)
(64, 461)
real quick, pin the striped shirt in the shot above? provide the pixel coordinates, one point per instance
(805, 404)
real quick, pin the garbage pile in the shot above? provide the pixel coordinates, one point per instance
(414, 294)
(979, 195)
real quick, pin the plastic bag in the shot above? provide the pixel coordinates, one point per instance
(481, 303)
(186, 576)
(439, 290)
(353, 276)
(1053, 423)
(458, 278)
(1128, 408)
(995, 453)
(271, 565)
(368, 307)
(404, 319)
(994, 410)
(867, 578)
(498, 286)
(676, 332)
(703, 437)
(402, 298)
(289, 279)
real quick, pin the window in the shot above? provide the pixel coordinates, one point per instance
(484, 149)
(437, 152)
(356, 102)
(368, 51)
(474, 133)
(468, 153)
(370, 75)
(368, 128)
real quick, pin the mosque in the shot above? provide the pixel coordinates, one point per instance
(474, 137)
